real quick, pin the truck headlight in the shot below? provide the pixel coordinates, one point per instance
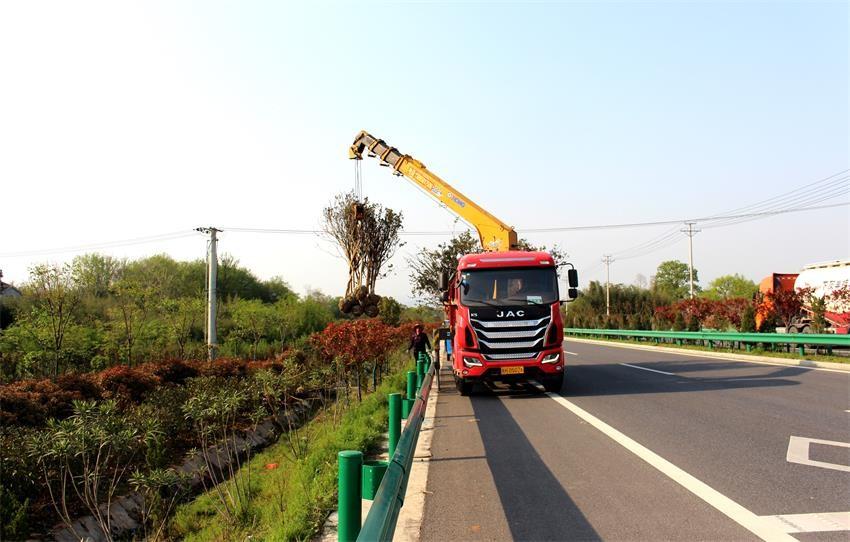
(471, 362)
(551, 358)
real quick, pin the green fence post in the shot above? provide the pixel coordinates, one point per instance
(411, 384)
(395, 421)
(348, 502)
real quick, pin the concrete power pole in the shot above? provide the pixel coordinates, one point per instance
(212, 278)
(690, 232)
(607, 259)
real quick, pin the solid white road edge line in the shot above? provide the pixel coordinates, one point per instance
(765, 530)
(648, 369)
(811, 523)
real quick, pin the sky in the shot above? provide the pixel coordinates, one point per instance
(124, 121)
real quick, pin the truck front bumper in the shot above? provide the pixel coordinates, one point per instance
(473, 366)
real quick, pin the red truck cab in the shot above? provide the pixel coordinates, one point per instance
(505, 318)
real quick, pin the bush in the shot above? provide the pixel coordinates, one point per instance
(748, 320)
(173, 372)
(127, 385)
(679, 322)
(83, 384)
(20, 408)
(225, 368)
(693, 323)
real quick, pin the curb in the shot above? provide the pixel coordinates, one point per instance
(806, 363)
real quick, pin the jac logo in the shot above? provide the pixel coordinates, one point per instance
(509, 314)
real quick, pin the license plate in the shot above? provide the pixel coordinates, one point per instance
(512, 370)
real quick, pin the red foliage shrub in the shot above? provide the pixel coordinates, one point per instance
(84, 384)
(19, 407)
(226, 368)
(171, 372)
(127, 385)
(354, 342)
(56, 402)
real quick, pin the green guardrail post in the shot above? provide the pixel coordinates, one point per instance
(411, 384)
(395, 421)
(406, 407)
(418, 382)
(829, 350)
(348, 502)
(748, 347)
(802, 348)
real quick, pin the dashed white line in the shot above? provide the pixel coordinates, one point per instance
(766, 530)
(648, 369)
(571, 353)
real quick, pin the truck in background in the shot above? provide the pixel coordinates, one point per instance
(824, 279)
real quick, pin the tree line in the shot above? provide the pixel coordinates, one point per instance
(99, 311)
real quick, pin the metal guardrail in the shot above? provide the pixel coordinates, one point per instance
(710, 337)
(381, 521)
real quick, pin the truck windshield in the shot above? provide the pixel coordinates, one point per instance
(508, 287)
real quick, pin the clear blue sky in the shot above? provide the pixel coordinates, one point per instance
(122, 120)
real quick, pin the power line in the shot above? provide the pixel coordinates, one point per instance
(107, 244)
(296, 231)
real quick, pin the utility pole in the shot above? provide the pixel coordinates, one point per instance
(607, 259)
(212, 277)
(690, 232)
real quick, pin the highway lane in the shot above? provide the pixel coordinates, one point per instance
(518, 465)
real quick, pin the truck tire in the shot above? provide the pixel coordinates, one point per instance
(554, 383)
(464, 387)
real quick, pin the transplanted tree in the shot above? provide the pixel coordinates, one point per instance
(731, 286)
(673, 280)
(366, 235)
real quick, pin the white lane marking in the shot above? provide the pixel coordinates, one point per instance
(847, 411)
(734, 511)
(571, 353)
(811, 523)
(648, 369)
(798, 452)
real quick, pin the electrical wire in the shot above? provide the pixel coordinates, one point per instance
(96, 246)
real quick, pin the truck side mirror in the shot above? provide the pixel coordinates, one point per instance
(443, 281)
(572, 293)
(444, 297)
(572, 279)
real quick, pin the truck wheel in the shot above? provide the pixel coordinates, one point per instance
(554, 383)
(464, 387)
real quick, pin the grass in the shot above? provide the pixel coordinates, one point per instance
(292, 496)
(753, 352)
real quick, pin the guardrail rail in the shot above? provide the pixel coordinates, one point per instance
(710, 338)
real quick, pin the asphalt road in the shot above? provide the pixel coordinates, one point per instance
(696, 449)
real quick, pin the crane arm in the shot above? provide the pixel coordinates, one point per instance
(495, 235)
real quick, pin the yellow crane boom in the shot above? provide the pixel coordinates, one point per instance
(495, 235)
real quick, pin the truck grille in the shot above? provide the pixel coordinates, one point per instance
(502, 340)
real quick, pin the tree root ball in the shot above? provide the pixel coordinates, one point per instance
(371, 311)
(356, 310)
